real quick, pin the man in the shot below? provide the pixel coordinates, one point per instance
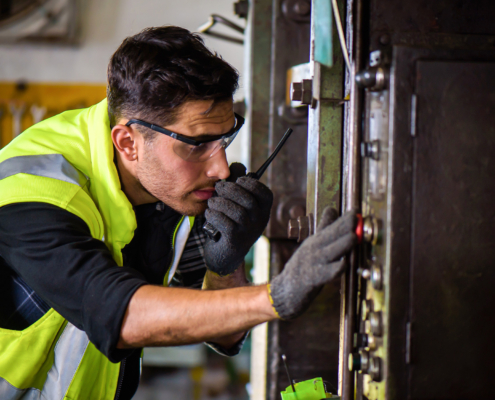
(100, 229)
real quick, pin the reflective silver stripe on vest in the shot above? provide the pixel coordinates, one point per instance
(69, 352)
(9, 392)
(47, 165)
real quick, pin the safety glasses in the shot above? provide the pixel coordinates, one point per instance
(193, 150)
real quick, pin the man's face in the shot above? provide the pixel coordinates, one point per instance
(183, 185)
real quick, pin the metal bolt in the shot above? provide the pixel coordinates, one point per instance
(371, 342)
(293, 229)
(371, 230)
(375, 369)
(359, 361)
(302, 8)
(302, 91)
(368, 226)
(364, 272)
(376, 277)
(296, 91)
(367, 308)
(360, 340)
(371, 149)
(301, 227)
(373, 78)
(376, 323)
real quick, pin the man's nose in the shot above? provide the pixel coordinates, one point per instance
(218, 167)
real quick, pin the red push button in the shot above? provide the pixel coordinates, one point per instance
(359, 228)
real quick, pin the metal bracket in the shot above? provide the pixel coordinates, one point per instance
(214, 19)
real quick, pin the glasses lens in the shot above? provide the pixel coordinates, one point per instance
(224, 143)
(196, 153)
(203, 151)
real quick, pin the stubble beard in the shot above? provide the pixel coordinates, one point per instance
(162, 184)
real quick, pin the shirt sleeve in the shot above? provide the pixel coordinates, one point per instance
(54, 253)
(233, 351)
(191, 272)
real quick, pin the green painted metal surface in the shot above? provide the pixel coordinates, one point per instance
(325, 134)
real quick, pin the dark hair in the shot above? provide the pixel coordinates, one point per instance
(156, 71)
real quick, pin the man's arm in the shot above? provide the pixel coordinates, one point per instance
(159, 316)
(171, 316)
(214, 281)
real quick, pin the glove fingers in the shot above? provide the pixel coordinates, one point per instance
(220, 221)
(329, 215)
(236, 193)
(236, 171)
(339, 248)
(232, 210)
(342, 226)
(257, 189)
(330, 271)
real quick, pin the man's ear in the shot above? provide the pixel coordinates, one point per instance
(124, 140)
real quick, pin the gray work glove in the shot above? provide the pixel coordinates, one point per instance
(317, 261)
(240, 212)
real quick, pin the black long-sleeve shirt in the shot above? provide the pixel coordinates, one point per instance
(51, 251)
(48, 259)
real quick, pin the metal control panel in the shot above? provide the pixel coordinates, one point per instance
(424, 275)
(369, 356)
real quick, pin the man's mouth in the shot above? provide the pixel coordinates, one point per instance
(205, 193)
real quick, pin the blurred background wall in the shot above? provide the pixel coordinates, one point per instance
(103, 24)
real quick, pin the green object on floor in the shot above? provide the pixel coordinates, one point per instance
(312, 389)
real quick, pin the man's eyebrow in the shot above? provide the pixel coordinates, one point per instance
(206, 136)
(203, 136)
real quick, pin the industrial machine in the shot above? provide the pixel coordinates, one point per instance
(392, 107)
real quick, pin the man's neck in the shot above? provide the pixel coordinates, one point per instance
(132, 188)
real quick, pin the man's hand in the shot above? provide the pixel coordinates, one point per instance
(240, 212)
(316, 262)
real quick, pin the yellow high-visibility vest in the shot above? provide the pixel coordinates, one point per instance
(67, 161)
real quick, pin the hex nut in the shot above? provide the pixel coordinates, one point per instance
(296, 91)
(293, 229)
